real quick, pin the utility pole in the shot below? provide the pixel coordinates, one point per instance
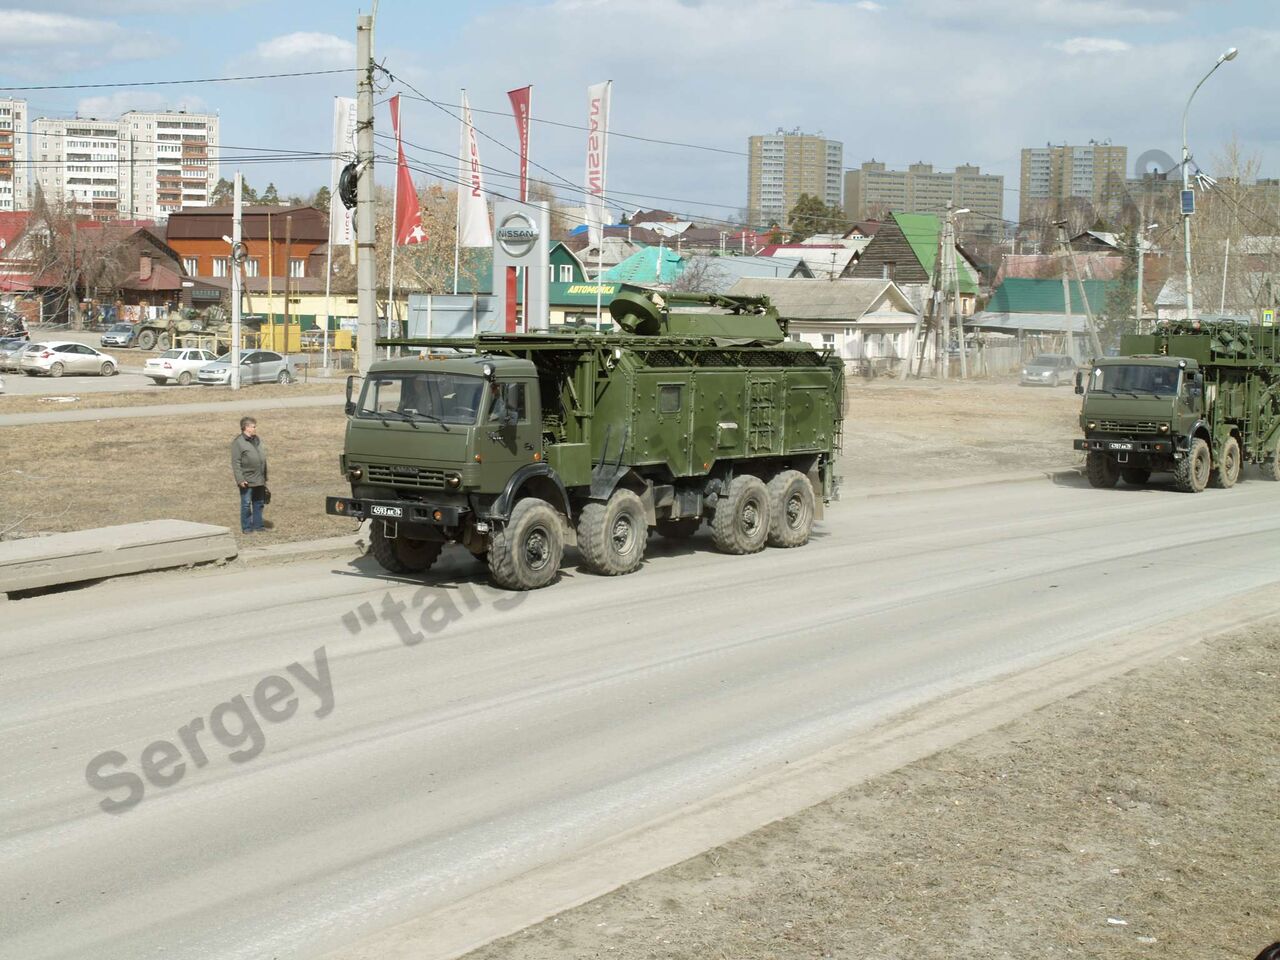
(941, 306)
(288, 270)
(1142, 249)
(366, 264)
(1094, 343)
(237, 260)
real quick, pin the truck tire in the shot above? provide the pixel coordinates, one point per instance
(146, 339)
(740, 523)
(791, 509)
(1103, 472)
(679, 529)
(1227, 470)
(1191, 473)
(525, 553)
(612, 535)
(1135, 476)
(164, 342)
(402, 555)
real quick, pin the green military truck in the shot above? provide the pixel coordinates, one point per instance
(516, 445)
(1198, 398)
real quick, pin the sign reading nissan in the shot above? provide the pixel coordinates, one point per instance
(517, 234)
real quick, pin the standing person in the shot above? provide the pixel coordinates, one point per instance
(249, 467)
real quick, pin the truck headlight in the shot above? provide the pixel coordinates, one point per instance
(355, 474)
(453, 480)
(1164, 428)
(1092, 425)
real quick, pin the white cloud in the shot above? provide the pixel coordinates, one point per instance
(1079, 45)
(870, 5)
(29, 28)
(114, 104)
(316, 50)
(41, 45)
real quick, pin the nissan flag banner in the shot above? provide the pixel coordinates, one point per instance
(341, 220)
(597, 157)
(520, 107)
(473, 212)
(408, 213)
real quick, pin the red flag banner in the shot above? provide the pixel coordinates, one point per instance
(520, 107)
(409, 227)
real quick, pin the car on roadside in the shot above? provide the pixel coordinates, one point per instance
(256, 366)
(119, 335)
(56, 357)
(1048, 370)
(10, 350)
(181, 365)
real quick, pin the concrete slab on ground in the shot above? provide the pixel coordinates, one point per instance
(110, 552)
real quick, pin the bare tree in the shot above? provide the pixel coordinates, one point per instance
(701, 275)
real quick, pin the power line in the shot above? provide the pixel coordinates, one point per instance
(174, 83)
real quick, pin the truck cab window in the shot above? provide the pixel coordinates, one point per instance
(506, 403)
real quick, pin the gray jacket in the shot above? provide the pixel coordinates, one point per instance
(249, 461)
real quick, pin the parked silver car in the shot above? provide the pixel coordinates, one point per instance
(56, 357)
(119, 335)
(10, 350)
(1049, 370)
(256, 366)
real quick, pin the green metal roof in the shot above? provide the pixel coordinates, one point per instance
(649, 266)
(1029, 295)
(921, 231)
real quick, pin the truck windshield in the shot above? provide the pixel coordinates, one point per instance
(1134, 378)
(440, 397)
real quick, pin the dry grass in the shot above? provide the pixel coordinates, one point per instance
(153, 395)
(1148, 799)
(72, 476)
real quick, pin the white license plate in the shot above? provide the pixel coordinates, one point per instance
(1119, 446)
(380, 511)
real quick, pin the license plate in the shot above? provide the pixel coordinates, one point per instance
(1119, 446)
(381, 511)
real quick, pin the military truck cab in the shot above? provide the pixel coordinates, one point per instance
(518, 445)
(1196, 399)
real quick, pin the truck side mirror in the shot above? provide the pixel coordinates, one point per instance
(1079, 382)
(350, 405)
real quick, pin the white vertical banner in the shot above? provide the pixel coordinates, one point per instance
(597, 158)
(473, 213)
(341, 220)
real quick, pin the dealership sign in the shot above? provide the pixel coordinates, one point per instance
(517, 234)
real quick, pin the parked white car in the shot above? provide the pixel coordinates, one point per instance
(180, 365)
(57, 357)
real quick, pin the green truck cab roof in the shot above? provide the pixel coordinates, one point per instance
(465, 364)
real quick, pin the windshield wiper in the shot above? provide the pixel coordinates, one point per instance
(432, 417)
(383, 414)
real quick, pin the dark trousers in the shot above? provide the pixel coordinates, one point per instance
(250, 510)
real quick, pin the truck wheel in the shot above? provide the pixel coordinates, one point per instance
(163, 342)
(740, 523)
(525, 554)
(398, 555)
(791, 509)
(612, 535)
(680, 529)
(1103, 472)
(1135, 476)
(146, 339)
(1191, 473)
(1227, 470)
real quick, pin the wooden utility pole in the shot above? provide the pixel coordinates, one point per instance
(366, 264)
(288, 271)
(237, 265)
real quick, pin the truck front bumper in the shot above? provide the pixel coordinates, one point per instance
(403, 511)
(1093, 444)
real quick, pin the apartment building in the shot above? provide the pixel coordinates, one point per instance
(873, 191)
(1053, 176)
(77, 162)
(143, 166)
(13, 155)
(781, 166)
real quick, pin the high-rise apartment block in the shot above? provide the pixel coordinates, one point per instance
(782, 166)
(13, 154)
(143, 166)
(1054, 176)
(873, 191)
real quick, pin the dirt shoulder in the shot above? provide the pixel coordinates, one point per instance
(1136, 819)
(156, 395)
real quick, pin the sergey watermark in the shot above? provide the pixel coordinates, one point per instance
(232, 724)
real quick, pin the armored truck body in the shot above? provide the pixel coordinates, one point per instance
(518, 444)
(1197, 398)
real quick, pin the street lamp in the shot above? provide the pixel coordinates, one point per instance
(1188, 204)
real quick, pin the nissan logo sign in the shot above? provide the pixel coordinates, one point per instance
(517, 234)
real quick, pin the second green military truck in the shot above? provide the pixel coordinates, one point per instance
(515, 445)
(1197, 398)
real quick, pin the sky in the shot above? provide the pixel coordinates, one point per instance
(943, 81)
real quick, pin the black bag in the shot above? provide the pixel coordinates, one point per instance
(262, 493)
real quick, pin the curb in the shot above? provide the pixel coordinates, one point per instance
(353, 545)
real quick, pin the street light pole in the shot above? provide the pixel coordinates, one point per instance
(1186, 179)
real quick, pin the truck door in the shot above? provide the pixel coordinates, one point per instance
(509, 433)
(662, 420)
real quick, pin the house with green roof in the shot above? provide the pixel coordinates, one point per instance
(652, 267)
(905, 250)
(1035, 312)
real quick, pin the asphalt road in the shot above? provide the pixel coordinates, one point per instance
(513, 730)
